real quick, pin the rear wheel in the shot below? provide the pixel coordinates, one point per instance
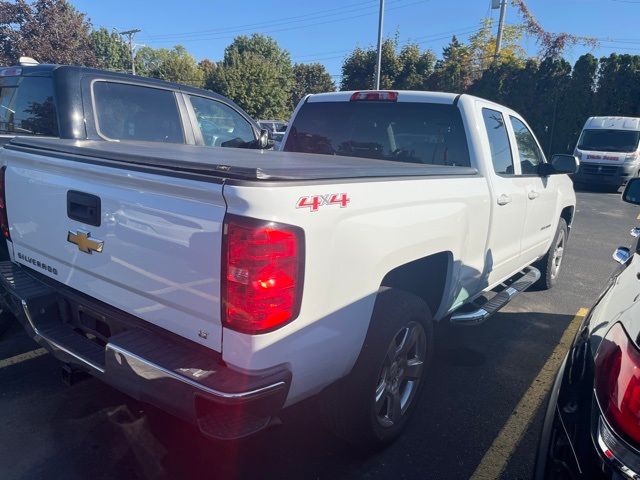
(551, 263)
(372, 405)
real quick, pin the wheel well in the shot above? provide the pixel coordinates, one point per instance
(425, 277)
(567, 214)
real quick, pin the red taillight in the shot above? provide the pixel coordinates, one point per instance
(4, 221)
(377, 96)
(617, 382)
(262, 274)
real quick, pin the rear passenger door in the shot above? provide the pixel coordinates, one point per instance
(508, 197)
(541, 193)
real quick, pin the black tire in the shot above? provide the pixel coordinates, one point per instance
(549, 265)
(350, 407)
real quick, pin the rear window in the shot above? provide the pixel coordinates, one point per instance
(423, 133)
(132, 112)
(29, 108)
(603, 140)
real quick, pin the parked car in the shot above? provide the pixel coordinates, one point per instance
(609, 152)
(223, 285)
(592, 423)
(88, 104)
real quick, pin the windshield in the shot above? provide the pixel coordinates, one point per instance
(609, 140)
(398, 131)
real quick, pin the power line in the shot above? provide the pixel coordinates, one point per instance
(423, 39)
(286, 20)
(208, 38)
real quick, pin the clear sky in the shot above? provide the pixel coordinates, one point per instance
(325, 31)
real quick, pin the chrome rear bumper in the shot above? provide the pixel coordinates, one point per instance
(143, 361)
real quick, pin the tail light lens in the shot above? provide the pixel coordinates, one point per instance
(617, 382)
(4, 221)
(263, 265)
(377, 96)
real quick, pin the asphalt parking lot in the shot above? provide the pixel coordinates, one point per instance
(466, 426)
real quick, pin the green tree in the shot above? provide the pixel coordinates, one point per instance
(310, 78)
(483, 46)
(262, 46)
(408, 69)
(174, 65)
(111, 52)
(51, 31)
(498, 81)
(414, 68)
(453, 73)
(618, 90)
(207, 66)
(552, 82)
(257, 74)
(358, 69)
(576, 104)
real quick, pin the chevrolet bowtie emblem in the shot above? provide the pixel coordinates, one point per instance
(84, 243)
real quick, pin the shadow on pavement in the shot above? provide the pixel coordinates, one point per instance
(478, 376)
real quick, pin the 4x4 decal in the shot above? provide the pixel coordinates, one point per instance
(314, 202)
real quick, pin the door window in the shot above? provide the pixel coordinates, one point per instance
(498, 141)
(530, 154)
(220, 125)
(133, 112)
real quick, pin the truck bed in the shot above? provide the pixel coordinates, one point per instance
(217, 164)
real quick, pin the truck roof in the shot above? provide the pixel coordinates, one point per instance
(47, 68)
(613, 123)
(414, 96)
(200, 162)
(403, 96)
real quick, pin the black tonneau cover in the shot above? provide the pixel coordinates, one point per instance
(252, 165)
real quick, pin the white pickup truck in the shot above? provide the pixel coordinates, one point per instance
(224, 285)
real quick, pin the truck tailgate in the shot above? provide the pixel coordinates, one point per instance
(161, 238)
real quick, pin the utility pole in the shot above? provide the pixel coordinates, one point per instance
(379, 62)
(503, 10)
(130, 34)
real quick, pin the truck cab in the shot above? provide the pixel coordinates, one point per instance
(609, 151)
(82, 103)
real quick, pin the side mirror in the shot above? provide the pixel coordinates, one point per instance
(263, 139)
(622, 255)
(631, 192)
(562, 163)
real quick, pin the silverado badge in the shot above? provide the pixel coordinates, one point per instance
(84, 243)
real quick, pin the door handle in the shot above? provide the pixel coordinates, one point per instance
(533, 195)
(504, 199)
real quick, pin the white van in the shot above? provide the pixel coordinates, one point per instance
(608, 151)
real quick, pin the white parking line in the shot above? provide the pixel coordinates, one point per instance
(23, 357)
(497, 457)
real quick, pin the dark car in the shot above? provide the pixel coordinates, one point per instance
(85, 103)
(592, 423)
